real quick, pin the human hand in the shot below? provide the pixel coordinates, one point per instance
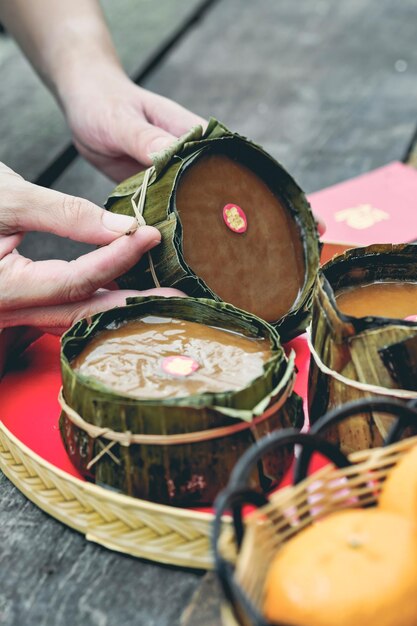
(116, 125)
(52, 295)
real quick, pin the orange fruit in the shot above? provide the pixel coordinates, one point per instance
(354, 568)
(399, 492)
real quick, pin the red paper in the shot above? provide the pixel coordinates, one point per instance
(376, 207)
(29, 402)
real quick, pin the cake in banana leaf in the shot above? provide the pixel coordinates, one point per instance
(364, 337)
(161, 397)
(235, 227)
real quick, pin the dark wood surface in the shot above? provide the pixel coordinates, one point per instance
(330, 89)
(32, 128)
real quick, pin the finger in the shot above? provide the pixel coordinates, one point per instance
(170, 115)
(9, 243)
(57, 319)
(25, 283)
(111, 286)
(142, 139)
(117, 168)
(163, 122)
(30, 207)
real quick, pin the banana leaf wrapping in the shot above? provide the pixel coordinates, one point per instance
(401, 361)
(167, 266)
(356, 357)
(174, 469)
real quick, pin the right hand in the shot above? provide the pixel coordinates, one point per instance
(51, 295)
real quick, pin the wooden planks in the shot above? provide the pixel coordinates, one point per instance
(51, 576)
(204, 607)
(32, 129)
(328, 88)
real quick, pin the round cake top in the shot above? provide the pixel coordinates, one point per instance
(395, 299)
(240, 237)
(161, 357)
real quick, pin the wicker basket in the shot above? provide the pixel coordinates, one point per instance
(243, 550)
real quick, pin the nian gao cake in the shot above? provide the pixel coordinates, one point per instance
(161, 397)
(162, 357)
(386, 298)
(235, 227)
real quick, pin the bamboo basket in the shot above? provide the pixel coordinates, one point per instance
(359, 357)
(233, 273)
(243, 550)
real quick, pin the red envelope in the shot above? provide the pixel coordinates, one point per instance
(376, 207)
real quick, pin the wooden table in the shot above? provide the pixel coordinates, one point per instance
(329, 88)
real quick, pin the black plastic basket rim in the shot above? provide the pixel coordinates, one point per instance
(237, 493)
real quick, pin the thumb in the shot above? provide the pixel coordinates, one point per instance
(31, 207)
(143, 139)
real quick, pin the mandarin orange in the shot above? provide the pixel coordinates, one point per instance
(354, 568)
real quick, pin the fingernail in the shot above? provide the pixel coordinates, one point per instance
(122, 224)
(160, 143)
(133, 228)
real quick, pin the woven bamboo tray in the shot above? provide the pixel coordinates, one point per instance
(243, 550)
(142, 529)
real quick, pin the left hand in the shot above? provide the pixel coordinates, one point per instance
(51, 295)
(117, 125)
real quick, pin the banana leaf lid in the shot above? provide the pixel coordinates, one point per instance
(235, 227)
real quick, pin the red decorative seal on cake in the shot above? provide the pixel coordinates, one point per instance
(179, 365)
(234, 217)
